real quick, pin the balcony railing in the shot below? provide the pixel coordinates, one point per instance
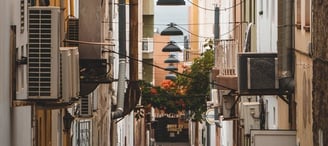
(226, 60)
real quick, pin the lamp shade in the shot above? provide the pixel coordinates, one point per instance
(170, 76)
(171, 67)
(172, 30)
(171, 47)
(171, 59)
(171, 2)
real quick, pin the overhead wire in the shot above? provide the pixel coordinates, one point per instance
(136, 59)
(221, 9)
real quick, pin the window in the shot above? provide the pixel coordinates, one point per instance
(298, 12)
(307, 15)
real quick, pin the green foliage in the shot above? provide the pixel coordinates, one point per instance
(196, 80)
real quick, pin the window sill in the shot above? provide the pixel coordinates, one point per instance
(307, 28)
(298, 25)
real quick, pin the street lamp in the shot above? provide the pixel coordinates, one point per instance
(170, 76)
(67, 120)
(171, 67)
(171, 47)
(171, 59)
(172, 30)
(171, 2)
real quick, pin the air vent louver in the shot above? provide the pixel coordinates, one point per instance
(43, 53)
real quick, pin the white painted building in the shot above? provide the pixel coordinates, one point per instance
(15, 122)
(267, 37)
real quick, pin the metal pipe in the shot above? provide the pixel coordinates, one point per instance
(285, 44)
(122, 61)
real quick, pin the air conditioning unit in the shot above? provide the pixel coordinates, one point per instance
(69, 73)
(75, 71)
(250, 116)
(147, 45)
(86, 106)
(43, 53)
(65, 73)
(258, 72)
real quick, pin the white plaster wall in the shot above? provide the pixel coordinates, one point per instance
(271, 112)
(22, 126)
(226, 17)
(267, 31)
(5, 7)
(227, 133)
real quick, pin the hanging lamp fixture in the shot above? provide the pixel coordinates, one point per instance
(172, 30)
(171, 47)
(171, 59)
(170, 2)
(171, 76)
(171, 67)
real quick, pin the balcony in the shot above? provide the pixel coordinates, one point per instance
(147, 48)
(225, 69)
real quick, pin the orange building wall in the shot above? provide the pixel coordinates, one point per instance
(159, 43)
(194, 40)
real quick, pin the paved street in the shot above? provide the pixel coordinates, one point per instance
(172, 144)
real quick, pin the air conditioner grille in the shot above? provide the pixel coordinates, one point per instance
(85, 106)
(40, 56)
(72, 31)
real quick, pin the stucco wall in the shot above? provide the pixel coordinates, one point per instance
(303, 99)
(4, 74)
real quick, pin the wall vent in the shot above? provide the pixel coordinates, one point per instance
(72, 31)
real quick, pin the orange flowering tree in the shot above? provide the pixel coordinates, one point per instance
(165, 97)
(188, 92)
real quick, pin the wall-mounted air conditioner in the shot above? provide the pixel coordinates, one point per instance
(69, 72)
(147, 45)
(257, 72)
(250, 116)
(65, 73)
(43, 53)
(75, 71)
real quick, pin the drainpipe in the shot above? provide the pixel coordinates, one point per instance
(285, 45)
(122, 61)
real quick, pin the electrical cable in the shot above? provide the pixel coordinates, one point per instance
(135, 59)
(223, 9)
(209, 37)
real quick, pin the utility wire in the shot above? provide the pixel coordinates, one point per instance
(135, 59)
(209, 37)
(223, 9)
